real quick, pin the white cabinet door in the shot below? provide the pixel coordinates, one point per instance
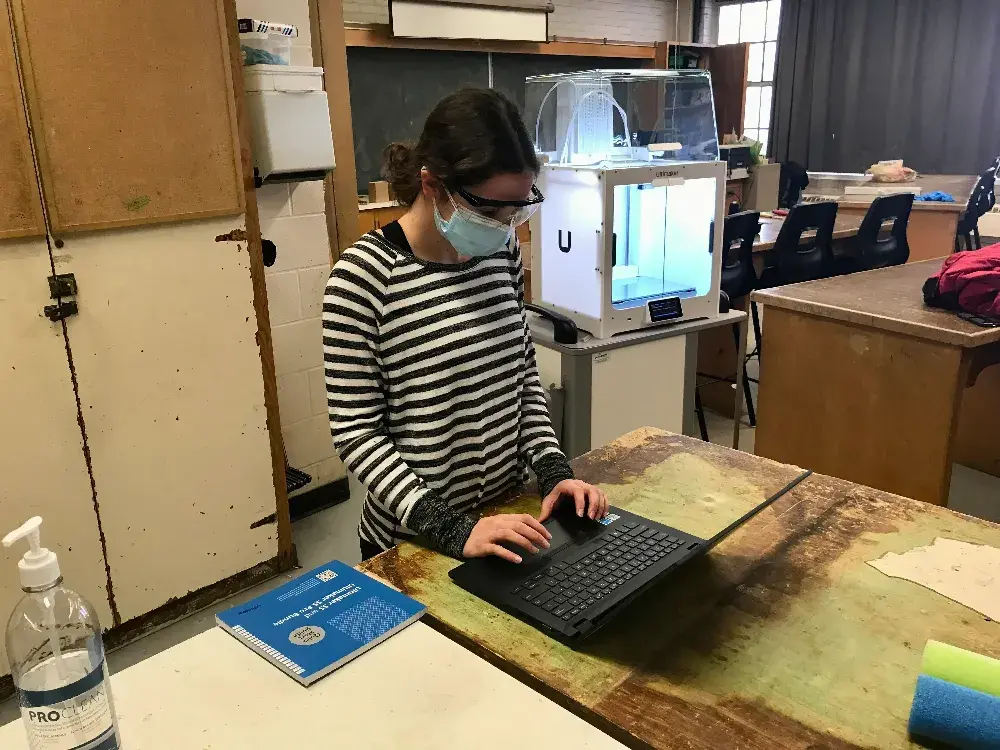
(42, 468)
(172, 391)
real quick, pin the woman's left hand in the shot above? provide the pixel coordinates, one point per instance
(588, 498)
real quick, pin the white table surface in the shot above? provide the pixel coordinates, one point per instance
(416, 690)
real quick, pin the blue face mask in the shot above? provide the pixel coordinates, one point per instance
(472, 234)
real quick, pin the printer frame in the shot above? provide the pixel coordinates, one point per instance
(588, 272)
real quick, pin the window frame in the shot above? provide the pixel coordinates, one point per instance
(761, 131)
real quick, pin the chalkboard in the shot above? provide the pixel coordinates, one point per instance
(393, 91)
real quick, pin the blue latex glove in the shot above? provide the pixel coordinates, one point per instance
(937, 196)
(256, 56)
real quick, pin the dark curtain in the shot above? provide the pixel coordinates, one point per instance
(862, 80)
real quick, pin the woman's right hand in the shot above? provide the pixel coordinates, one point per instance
(520, 529)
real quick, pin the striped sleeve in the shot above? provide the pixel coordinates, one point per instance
(357, 405)
(538, 442)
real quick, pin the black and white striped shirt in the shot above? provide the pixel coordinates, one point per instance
(434, 398)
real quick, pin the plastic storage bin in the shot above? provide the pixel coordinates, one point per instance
(266, 42)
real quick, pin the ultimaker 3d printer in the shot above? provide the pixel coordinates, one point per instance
(630, 232)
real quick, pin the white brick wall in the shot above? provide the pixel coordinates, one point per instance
(619, 20)
(292, 216)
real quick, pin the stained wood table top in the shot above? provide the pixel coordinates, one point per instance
(888, 299)
(782, 637)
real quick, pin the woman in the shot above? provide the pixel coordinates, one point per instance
(435, 401)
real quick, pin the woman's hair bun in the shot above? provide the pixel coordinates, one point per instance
(469, 136)
(401, 170)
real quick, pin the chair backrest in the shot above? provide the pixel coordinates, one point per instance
(792, 179)
(892, 250)
(812, 259)
(738, 275)
(983, 197)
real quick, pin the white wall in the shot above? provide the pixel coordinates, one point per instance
(618, 20)
(292, 216)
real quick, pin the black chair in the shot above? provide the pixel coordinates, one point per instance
(793, 259)
(980, 202)
(738, 279)
(891, 249)
(792, 180)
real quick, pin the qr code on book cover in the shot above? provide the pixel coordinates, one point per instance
(369, 619)
(326, 576)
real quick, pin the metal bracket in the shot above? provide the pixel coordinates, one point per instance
(61, 311)
(62, 285)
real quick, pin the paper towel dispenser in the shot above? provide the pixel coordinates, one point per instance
(290, 123)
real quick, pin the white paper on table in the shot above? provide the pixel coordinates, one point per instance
(966, 573)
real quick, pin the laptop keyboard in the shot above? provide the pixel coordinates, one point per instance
(567, 588)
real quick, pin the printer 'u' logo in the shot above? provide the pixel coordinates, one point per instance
(569, 241)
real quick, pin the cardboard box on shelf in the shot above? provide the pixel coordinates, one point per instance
(761, 193)
(378, 192)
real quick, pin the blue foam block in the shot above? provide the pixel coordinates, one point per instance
(952, 714)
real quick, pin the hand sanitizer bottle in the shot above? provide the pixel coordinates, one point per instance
(57, 657)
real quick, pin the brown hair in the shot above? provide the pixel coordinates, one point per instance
(468, 137)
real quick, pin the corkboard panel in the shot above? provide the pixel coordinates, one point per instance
(133, 104)
(20, 204)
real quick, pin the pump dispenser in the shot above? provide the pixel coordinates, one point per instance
(57, 656)
(39, 568)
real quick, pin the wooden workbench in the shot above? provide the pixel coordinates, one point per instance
(862, 381)
(930, 234)
(932, 225)
(782, 637)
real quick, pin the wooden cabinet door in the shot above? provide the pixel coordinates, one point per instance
(42, 467)
(729, 64)
(166, 364)
(366, 221)
(390, 214)
(171, 387)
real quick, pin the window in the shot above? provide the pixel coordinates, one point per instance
(757, 23)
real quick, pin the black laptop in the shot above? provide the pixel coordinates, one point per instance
(591, 570)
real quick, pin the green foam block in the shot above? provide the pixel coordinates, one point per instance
(962, 667)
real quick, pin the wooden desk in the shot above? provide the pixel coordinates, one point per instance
(862, 381)
(782, 637)
(931, 228)
(418, 690)
(717, 350)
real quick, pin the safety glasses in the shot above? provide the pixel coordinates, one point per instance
(514, 213)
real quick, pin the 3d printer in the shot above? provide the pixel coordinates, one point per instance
(634, 190)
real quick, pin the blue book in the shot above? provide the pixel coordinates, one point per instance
(312, 625)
